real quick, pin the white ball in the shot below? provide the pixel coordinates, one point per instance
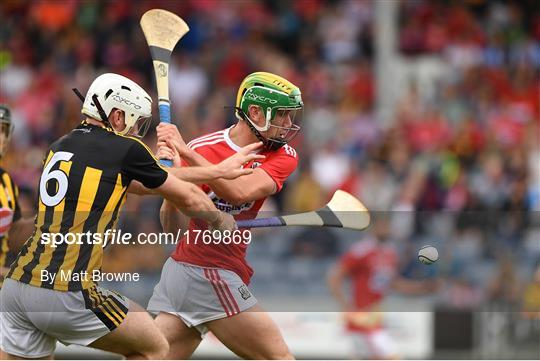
(428, 254)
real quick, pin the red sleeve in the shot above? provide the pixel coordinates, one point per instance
(207, 153)
(280, 164)
(184, 163)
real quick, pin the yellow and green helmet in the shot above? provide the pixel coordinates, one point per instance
(271, 93)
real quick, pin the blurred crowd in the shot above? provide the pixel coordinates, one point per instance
(459, 168)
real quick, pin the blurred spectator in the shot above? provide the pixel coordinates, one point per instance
(504, 288)
(305, 194)
(462, 293)
(188, 83)
(314, 243)
(531, 297)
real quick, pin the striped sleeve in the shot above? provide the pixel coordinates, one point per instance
(140, 165)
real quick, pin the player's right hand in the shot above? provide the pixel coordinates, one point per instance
(166, 150)
(231, 167)
(169, 133)
(225, 222)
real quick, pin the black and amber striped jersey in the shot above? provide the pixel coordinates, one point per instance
(81, 191)
(9, 205)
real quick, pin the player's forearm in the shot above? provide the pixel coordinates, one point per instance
(199, 206)
(228, 189)
(190, 200)
(19, 233)
(203, 174)
(171, 218)
(239, 190)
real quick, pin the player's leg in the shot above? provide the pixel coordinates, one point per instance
(183, 340)
(170, 303)
(251, 335)
(195, 298)
(381, 345)
(137, 337)
(19, 338)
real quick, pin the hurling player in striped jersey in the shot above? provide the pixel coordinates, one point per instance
(204, 287)
(14, 229)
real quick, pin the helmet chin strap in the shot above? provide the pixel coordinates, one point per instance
(101, 112)
(269, 143)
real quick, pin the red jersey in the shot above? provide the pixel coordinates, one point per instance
(371, 268)
(215, 147)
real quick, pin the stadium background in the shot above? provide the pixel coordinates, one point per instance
(428, 110)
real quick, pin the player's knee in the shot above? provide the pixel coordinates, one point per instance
(162, 350)
(159, 349)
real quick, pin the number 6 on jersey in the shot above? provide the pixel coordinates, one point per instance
(162, 30)
(58, 175)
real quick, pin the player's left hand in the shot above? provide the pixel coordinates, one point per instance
(231, 168)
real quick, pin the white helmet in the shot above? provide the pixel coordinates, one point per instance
(116, 91)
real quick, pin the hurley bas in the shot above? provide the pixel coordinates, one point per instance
(85, 276)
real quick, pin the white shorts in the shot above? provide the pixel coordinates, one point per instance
(32, 319)
(372, 345)
(199, 294)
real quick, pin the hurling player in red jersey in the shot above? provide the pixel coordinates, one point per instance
(204, 285)
(372, 267)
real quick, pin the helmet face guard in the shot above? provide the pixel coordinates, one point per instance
(276, 143)
(277, 98)
(277, 135)
(139, 128)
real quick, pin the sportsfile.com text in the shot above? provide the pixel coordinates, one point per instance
(119, 237)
